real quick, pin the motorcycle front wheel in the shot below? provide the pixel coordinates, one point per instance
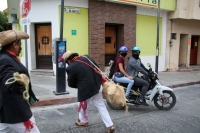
(115, 107)
(165, 101)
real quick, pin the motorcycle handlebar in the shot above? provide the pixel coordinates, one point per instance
(150, 69)
(153, 75)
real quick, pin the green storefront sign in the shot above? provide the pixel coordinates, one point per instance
(73, 32)
(164, 4)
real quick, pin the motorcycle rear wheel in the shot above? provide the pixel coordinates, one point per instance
(168, 98)
(115, 107)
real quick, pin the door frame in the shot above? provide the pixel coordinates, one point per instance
(112, 56)
(197, 49)
(183, 48)
(36, 46)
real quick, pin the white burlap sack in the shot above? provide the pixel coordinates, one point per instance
(114, 93)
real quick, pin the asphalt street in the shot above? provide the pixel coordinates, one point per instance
(183, 118)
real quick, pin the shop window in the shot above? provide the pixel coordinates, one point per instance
(173, 36)
(45, 40)
(108, 40)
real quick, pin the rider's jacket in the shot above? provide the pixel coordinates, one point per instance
(134, 66)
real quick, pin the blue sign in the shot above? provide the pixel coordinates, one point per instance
(61, 51)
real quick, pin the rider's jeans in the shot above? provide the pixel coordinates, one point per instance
(124, 80)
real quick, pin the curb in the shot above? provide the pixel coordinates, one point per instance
(184, 84)
(47, 102)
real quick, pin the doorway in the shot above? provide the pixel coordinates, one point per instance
(43, 43)
(110, 43)
(183, 48)
(194, 50)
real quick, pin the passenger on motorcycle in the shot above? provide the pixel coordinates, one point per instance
(135, 66)
(120, 74)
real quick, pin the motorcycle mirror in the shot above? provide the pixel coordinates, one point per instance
(148, 64)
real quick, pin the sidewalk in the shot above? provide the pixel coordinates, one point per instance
(43, 86)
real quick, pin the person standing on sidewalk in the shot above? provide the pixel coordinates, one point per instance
(16, 115)
(89, 84)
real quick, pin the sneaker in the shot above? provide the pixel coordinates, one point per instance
(139, 101)
(142, 102)
(145, 104)
(127, 99)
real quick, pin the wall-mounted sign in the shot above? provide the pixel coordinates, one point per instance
(24, 21)
(73, 32)
(189, 41)
(72, 10)
(26, 7)
(149, 3)
(195, 44)
(164, 4)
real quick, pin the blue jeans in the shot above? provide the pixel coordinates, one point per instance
(124, 80)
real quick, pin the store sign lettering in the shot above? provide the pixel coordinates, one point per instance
(149, 3)
(25, 21)
(146, 1)
(72, 10)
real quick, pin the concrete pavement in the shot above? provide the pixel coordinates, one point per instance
(184, 117)
(43, 86)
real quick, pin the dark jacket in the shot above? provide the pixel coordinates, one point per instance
(84, 78)
(14, 108)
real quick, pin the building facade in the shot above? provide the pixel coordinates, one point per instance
(43, 26)
(94, 27)
(183, 35)
(113, 23)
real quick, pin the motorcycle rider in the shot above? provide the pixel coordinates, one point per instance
(135, 66)
(120, 74)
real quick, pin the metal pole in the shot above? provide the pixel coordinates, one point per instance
(26, 49)
(61, 20)
(60, 48)
(157, 40)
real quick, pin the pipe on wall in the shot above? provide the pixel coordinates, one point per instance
(170, 44)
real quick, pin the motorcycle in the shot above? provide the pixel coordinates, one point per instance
(163, 97)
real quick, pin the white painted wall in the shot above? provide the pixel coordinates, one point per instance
(46, 11)
(152, 59)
